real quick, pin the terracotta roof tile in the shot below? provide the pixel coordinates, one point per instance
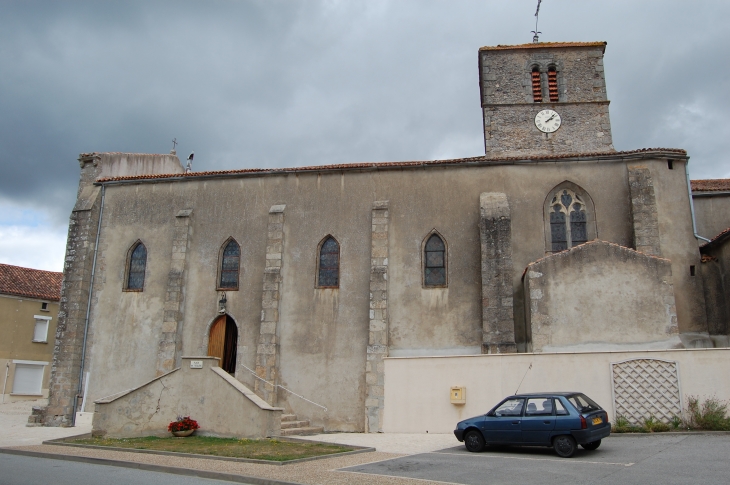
(413, 164)
(30, 283)
(711, 185)
(542, 45)
(717, 240)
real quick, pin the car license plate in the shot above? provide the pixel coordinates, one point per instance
(597, 420)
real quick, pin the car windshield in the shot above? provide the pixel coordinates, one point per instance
(583, 403)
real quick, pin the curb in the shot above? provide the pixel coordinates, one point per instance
(149, 467)
(61, 442)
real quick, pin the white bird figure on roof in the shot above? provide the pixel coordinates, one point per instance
(189, 166)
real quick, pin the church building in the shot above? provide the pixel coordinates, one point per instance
(302, 281)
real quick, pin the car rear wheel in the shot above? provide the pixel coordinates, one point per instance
(474, 441)
(592, 445)
(564, 446)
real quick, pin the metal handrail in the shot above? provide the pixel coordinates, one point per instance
(282, 387)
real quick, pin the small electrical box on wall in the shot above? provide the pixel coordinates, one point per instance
(458, 395)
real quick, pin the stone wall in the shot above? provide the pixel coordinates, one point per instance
(220, 404)
(712, 213)
(509, 109)
(495, 229)
(601, 296)
(77, 275)
(715, 270)
(644, 211)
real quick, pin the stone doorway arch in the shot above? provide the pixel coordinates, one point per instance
(223, 342)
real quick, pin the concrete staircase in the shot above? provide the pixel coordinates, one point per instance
(291, 426)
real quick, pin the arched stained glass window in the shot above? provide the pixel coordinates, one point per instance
(329, 264)
(434, 262)
(137, 266)
(230, 262)
(567, 220)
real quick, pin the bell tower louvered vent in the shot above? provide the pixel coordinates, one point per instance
(536, 86)
(552, 84)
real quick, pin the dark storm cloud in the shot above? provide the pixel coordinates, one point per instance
(285, 83)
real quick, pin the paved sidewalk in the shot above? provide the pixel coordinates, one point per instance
(325, 471)
(403, 444)
(13, 419)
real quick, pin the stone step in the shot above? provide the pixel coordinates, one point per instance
(294, 424)
(288, 417)
(301, 431)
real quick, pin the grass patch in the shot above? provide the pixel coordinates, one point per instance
(263, 449)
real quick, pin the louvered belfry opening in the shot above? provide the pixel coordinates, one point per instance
(536, 86)
(553, 84)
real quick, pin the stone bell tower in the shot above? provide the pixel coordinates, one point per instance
(544, 99)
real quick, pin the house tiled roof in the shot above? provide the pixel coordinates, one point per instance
(542, 45)
(717, 240)
(30, 283)
(641, 153)
(711, 185)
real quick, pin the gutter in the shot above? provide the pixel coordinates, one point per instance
(691, 203)
(376, 167)
(88, 308)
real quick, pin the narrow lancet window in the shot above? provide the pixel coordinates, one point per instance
(230, 263)
(137, 266)
(536, 86)
(329, 264)
(434, 262)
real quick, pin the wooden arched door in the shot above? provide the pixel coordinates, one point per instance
(223, 342)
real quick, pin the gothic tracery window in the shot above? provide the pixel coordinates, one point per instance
(568, 220)
(328, 275)
(136, 267)
(230, 263)
(434, 262)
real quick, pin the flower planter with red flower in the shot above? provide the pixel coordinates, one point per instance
(183, 426)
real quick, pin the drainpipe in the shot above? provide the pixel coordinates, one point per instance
(88, 307)
(691, 203)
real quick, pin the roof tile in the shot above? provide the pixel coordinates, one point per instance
(414, 164)
(711, 185)
(30, 283)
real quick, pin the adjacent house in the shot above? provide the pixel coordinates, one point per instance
(29, 301)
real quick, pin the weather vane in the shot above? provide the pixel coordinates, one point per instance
(174, 143)
(535, 39)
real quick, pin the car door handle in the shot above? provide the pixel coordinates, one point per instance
(515, 422)
(546, 422)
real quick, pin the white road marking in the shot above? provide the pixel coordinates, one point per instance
(558, 460)
(399, 477)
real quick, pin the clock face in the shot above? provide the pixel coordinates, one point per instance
(547, 121)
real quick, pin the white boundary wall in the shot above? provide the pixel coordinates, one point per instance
(417, 389)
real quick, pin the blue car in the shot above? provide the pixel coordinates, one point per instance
(561, 420)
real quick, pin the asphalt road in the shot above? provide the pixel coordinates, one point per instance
(646, 460)
(24, 470)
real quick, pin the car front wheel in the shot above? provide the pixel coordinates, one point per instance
(474, 441)
(592, 445)
(564, 446)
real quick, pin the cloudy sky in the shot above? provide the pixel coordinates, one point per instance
(280, 83)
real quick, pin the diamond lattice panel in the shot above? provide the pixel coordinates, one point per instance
(644, 388)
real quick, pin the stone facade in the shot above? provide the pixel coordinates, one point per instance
(509, 108)
(644, 211)
(378, 338)
(267, 352)
(637, 309)
(497, 274)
